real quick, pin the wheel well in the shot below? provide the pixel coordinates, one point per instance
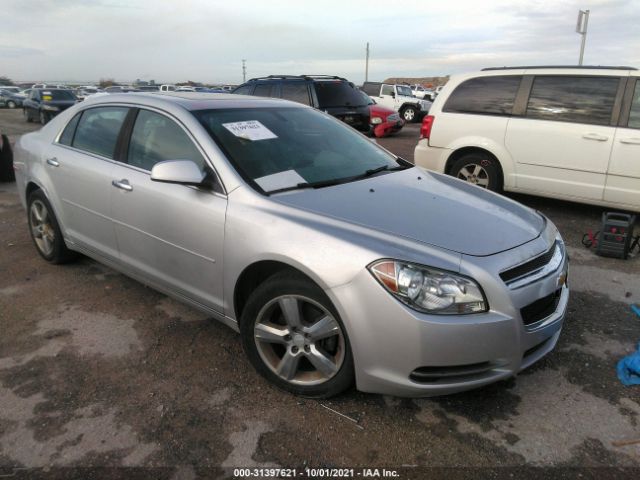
(464, 151)
(254, 275)
(406, 105)
(31, 187)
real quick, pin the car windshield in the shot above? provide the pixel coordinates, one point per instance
(402, 90)
(48, 95)
(283, 148)
(338, 93)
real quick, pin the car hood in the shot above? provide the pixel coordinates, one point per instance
(426, 207)
(380, 110)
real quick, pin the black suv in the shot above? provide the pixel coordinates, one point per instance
(335, 95)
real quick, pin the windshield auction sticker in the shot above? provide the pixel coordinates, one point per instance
(251, 130)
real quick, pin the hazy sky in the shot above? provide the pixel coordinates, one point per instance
(205, 40)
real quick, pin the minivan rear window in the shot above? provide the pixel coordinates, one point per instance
(337, 94)
(576, 99)
(493, 95)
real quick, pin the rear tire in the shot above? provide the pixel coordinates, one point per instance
(45, 230)
(293, 336)
(409, 114)
(11, 104)
(478, 168)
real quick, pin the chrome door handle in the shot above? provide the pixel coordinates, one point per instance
(595, 136)
(630, 141)
(122, 184)
(53, 161)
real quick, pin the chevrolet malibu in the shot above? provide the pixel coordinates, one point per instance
(336, 261)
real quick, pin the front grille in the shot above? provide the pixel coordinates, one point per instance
(541, 308)
(456, 372)
(528, 267)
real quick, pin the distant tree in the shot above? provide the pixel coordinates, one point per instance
(107, 82)
(5, 81)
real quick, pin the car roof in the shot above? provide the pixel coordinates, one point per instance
(194, 100)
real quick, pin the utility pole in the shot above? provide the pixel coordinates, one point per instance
(581, 28)
(366, 67)
(244, 70)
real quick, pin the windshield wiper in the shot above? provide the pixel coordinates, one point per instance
(303, 185)
(338, 181)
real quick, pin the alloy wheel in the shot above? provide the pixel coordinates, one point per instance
(41, 228)
(474, 174)
(299, 340)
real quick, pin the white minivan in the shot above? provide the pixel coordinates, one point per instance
(563, 132)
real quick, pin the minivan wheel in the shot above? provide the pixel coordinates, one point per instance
(478, 169)
(294, 337)
(409, 114)
(45, 230)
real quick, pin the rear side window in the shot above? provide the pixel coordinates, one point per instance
(156, 138)
(386, 90)
(337, 94)
(489, 95)
(296, 92)
(371, 89)
(265, 90)
(634, 115)
(67, 135)
(244, 90)
(573, 99)
(98, 130)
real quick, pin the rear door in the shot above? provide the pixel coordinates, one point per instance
(80, 167)
(172, 234)
(561, 146)
(623, 179)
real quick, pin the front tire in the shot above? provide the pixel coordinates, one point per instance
(45, 230)
(479, 169)
(409, 114)
(293, 336)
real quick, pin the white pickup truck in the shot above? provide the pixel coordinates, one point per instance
(398, 98)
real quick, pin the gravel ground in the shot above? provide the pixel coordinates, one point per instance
(96, 370)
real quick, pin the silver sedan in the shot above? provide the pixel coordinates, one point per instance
(338, 262)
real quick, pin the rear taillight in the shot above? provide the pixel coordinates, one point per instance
(427, 124)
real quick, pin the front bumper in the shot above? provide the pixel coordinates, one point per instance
(387, 128)
(399, 351)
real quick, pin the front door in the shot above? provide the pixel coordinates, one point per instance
(172, 234)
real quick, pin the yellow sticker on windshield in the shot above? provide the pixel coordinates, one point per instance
(47, 98)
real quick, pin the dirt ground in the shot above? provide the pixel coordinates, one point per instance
(96, 371)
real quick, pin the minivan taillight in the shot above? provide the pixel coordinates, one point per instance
(427, 124)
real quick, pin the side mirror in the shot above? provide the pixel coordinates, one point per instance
(183, 172)
(393, 94)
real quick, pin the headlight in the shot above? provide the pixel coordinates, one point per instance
(428, 289)
(51, 108)
(376, 120)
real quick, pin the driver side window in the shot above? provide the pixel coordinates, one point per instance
(156, 138)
